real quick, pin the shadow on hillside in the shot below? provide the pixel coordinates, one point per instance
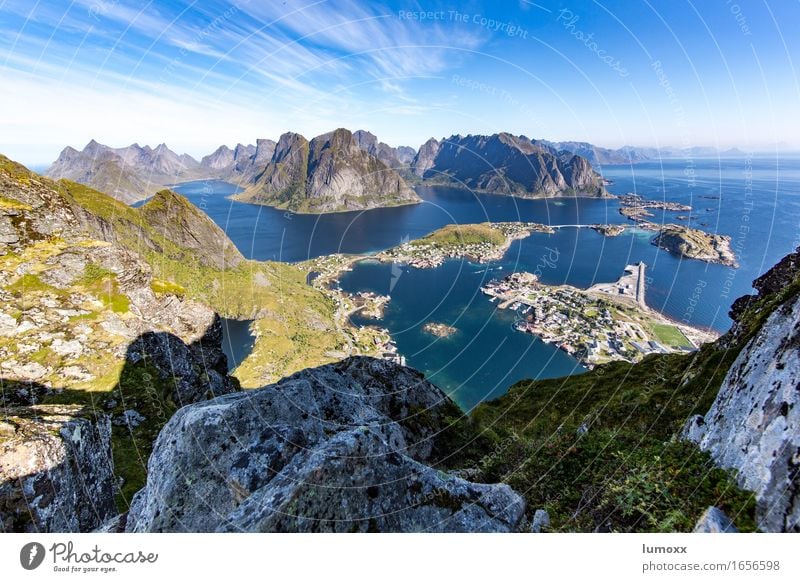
(85, 452)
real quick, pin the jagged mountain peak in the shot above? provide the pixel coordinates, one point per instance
(503, 163)
(331, 172)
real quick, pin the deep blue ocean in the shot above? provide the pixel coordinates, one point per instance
(755, 201)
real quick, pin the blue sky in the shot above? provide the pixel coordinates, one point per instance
(198, 74)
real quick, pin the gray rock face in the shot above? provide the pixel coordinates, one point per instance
(714, 520)
(508, 164)
(56, 470)
(405, 154)
(754, 424)
(343, 447)
(220, 160)
(540, 521)
(240, 164)
(392, 157)
(329, 173)
(425, 157)
(264, 150)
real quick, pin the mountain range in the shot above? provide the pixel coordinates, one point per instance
(356, 171)
(129, 174)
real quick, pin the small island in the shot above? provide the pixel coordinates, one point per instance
(439, 329)
(608, 229)
(633, 204)
(696, 244)
(480, 243)
(677, 239)
(606, 322)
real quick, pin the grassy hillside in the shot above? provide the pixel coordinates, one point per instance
(296, 324)
(454, 235)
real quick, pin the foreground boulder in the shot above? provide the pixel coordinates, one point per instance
(343, 447)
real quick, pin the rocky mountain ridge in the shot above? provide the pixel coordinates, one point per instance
(507, 164)
(395, 158)
(129, 174)
(753, 426)
(96, 352)
(330, 173)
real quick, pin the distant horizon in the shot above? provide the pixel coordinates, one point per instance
(198, 154)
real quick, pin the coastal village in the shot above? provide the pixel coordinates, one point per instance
(603, 323)
(480, 243)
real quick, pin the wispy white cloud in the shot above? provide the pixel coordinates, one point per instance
(114, 68)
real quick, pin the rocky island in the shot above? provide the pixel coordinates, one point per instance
(692, 243)
(608, 229)
(634, 206)
(439, 329)
(677, 239)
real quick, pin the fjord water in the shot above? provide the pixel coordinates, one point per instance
(755, 201)
(238, 340)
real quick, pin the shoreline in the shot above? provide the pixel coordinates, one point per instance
(233, 198)
(608, 195)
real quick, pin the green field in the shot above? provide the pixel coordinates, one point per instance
(671, 336)
(454, 235)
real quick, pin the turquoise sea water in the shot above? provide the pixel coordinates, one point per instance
(755, 201)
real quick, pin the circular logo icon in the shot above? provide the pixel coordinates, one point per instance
(31, 555)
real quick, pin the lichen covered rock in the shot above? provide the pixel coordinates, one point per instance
(343, 447)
